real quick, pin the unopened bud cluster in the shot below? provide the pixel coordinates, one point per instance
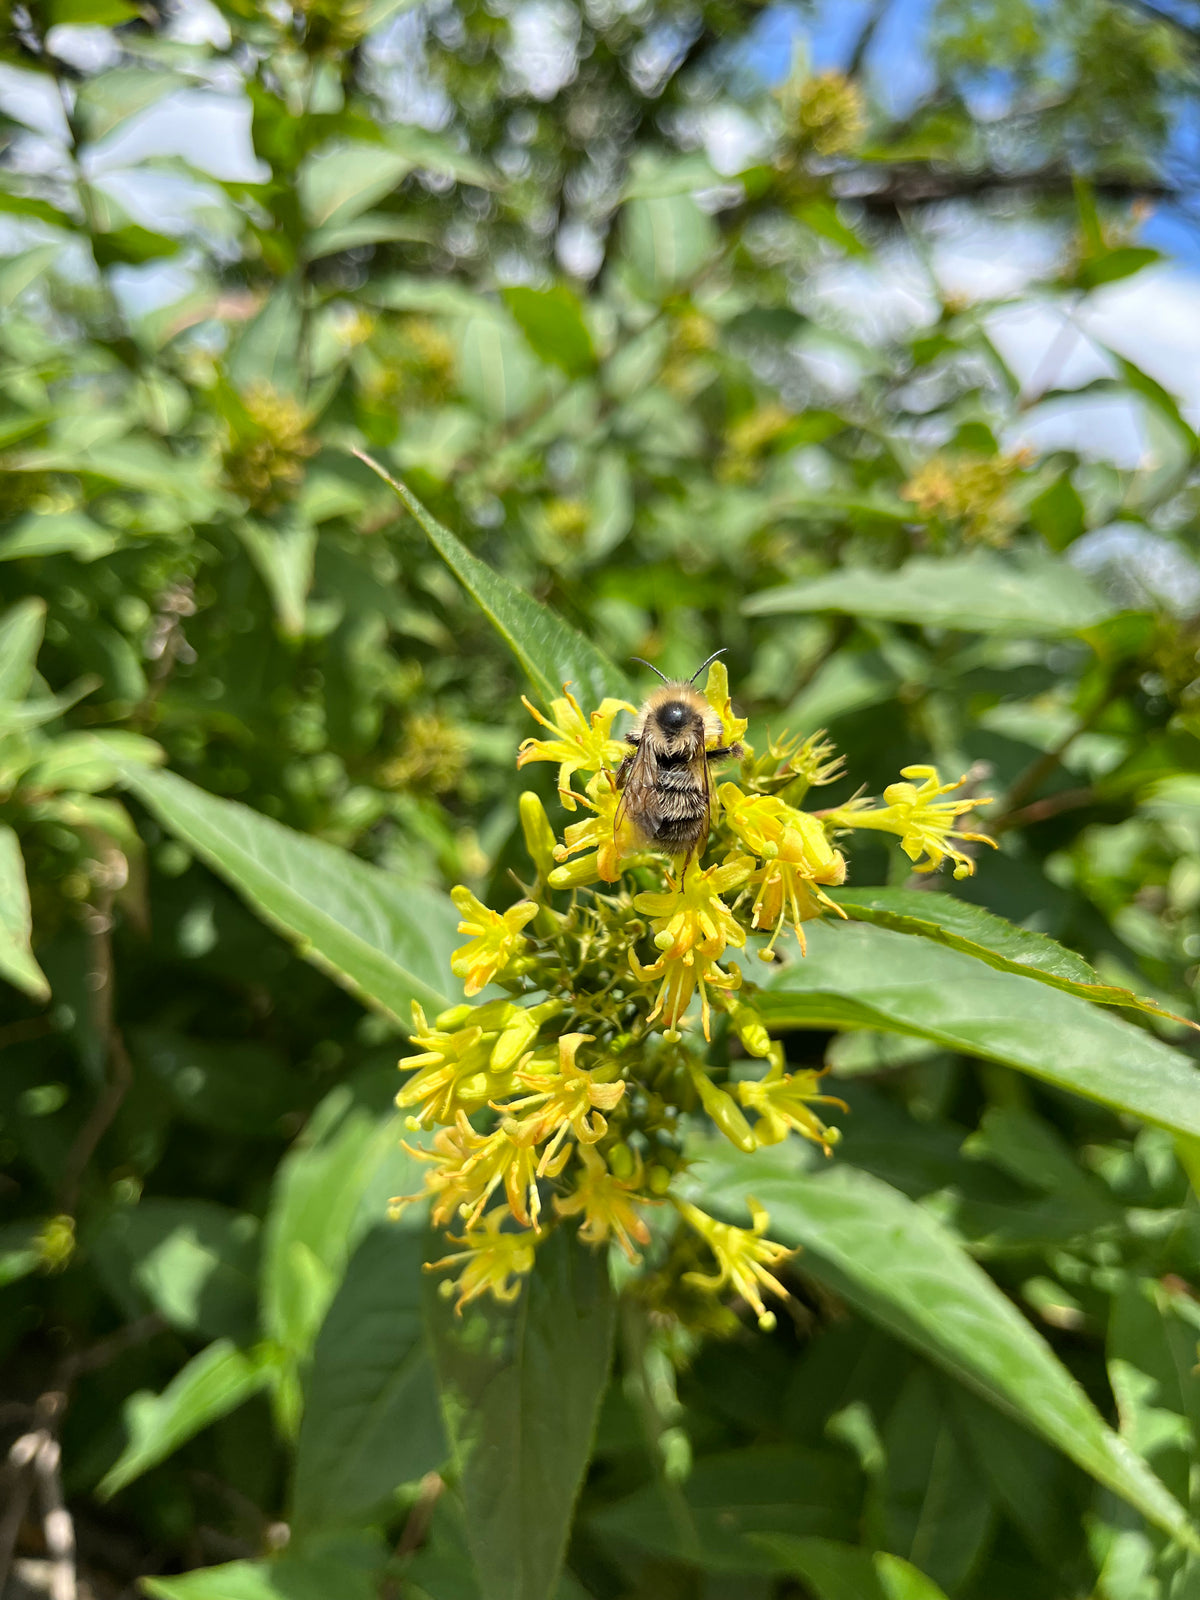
(568, 1096)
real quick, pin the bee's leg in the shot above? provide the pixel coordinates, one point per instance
(724, 752)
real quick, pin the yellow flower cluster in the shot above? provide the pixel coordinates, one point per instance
(973, 491)
(565, 1094)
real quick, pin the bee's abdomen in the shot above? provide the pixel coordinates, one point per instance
(683, 808)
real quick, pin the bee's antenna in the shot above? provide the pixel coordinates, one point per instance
(708, 663)
(652, 667)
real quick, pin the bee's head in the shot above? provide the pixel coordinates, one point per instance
(673, 716)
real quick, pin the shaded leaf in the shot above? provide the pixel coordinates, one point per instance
(846, 1572)
(717, 1517)
(289, 1578)
(550, 652)
(371, 1418)
(385, 940)
(899, 1266)
(212, 1384)
(521, 1386)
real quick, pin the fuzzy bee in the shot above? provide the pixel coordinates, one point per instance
(665, 781)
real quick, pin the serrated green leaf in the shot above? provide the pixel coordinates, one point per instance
(856, 976)
(977, 594)
(520, 1388)
(385, 940)
(371, 1418)
(550, 652)
(899, 1266)
(212, 1384)
(962, 926)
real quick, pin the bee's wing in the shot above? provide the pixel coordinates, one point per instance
(639, 797)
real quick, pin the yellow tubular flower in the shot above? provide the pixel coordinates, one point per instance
(495, 1262)
(796, 858)
(496, 937)
(468, 1167)
(580, 745)
(607, 1204)
(743, 1257)
(692, 926)
(599, 832)
(570, 1100)
(782, 1100)
(458, 1069)
(716, 692)
(924, 822)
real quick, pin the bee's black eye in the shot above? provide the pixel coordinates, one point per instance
(673, 717)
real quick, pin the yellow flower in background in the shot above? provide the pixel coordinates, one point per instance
(783, 1100)
(743, 1257)
(569, 1100)
(581, 744)
(796, 858)
(496, 937)
(924, 822)
(495, 1262)
(600, 832)
(606, 1204)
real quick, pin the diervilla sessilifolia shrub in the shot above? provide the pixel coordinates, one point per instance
(575, 1085)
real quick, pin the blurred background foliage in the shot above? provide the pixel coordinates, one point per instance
(796, 331)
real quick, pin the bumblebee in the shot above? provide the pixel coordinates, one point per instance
(665, 780)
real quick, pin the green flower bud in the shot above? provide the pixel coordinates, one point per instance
(723, 1109)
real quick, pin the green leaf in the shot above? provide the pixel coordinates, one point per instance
(88, 762)
(17, 964)
(267, 349)
(21, 630)
(857, 976)
(846, 1572)
(978, 594)
(979, 933)
(901, 1267)
(52, 533)
(339, 181)
(520, 1388)
(104, 102)
(19, 1251)
(496, 371)
(653, 175)
(91, 13)
(284, 557)
(717, 1516)
(550, 652)
(289, 1578)
(232, 1086)
(331, 1187)
(552, 321)
(667, 241)
(215, 1382)
(371, 1419)
(192, 1261)
(385, 940)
